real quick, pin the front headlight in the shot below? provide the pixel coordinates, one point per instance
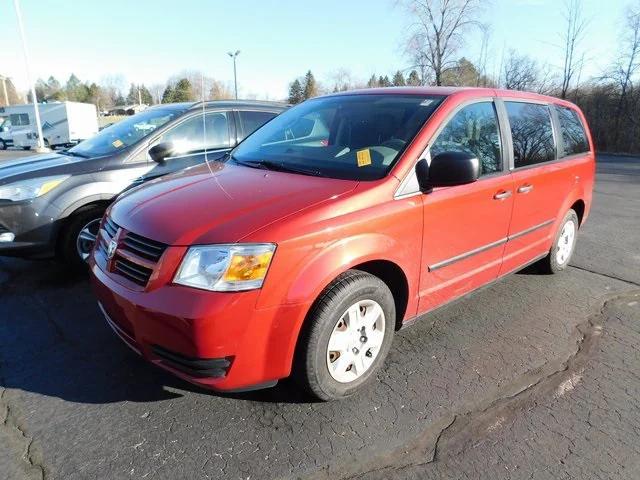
(226, 268)
(29, 189)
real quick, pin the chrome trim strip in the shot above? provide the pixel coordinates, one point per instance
(530, 229)
(488, 246)
(123, 336)
(468, 254)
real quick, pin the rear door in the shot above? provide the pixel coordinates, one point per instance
(466, 226)
(541, 181)
(250, 120)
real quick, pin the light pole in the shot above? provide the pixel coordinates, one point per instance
(4, 87)
(25, 53)
(235, 76)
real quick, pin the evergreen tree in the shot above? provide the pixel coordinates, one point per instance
(414, 79)
(147, 98)
(132, 96)
(373, 81)
(384, 81)
(296, 92)
(183, 92)
(310, 86)
(167, 96)
(76, 91)
(398, 79)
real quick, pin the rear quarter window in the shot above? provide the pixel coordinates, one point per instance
(574, 137)
(532, 133)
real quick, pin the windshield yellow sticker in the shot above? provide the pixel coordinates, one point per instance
(363, 157)
(117, 143)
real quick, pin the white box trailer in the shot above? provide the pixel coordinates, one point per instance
(63, 124)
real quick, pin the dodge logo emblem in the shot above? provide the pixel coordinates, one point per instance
(111, 251)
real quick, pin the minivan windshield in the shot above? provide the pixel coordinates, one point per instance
(355, 137)
(125, 132)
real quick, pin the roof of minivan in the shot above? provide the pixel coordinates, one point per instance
(453, 91)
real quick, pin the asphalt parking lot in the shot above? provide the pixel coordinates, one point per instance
(536, 377)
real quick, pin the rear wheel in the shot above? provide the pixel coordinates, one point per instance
(79, 237)
(26, 148)
(3, 145)
(347, 337)
(563, 245)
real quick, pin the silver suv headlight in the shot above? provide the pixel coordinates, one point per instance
(30, 189)
(226, 268)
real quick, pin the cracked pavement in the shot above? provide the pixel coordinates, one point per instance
(535, 377)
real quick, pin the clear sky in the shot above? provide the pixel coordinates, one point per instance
(150, 40)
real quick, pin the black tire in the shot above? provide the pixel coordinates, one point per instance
(3, 145)
(26, 148)
(67, 244)
(311, 369)
(550, 264)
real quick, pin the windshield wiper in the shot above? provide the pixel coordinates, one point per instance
(74, 154)
(278, 166)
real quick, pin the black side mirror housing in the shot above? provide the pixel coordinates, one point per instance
(161, 151)
(447, 169)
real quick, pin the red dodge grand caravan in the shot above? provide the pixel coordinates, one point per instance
(335, 224)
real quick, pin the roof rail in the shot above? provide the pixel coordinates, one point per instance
(257, 103)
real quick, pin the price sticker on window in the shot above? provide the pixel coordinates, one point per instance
(118, 143)
(363, 157)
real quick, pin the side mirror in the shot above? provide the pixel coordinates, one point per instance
(447, 169)
(161, 151)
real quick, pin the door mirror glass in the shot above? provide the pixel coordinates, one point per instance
(447, 169)
(160, 152)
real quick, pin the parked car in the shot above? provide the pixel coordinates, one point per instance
(63, 124)
(345, 218)
(52, 204)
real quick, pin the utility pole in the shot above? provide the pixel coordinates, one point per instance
(25, 53)
(139, 96)
(235, 76)
(4, 87)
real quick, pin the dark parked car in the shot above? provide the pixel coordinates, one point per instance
(51, 205)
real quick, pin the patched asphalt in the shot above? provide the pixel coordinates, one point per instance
(534, 377)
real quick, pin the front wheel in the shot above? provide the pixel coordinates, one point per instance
(3, 145)
(563, 245)
(347, 336)
(79, 237)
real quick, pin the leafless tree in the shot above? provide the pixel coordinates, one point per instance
(574, 33)
(438, 32)
(520, 72)
(481, 80)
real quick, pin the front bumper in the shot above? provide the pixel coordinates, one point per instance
(215, 340)
(33, 226)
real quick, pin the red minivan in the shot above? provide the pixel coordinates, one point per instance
(338, 222)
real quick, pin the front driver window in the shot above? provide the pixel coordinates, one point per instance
(196, 134)
(473, 130)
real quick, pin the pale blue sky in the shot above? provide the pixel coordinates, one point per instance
(147, 41)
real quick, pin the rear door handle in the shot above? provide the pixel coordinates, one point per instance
(526, 188)
(502, 195)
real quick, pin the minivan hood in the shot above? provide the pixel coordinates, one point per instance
(219, 203)
(34, 165)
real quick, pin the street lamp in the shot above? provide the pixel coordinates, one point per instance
(235, 76)
(25, 53)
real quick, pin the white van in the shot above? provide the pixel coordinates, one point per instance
(63, 124)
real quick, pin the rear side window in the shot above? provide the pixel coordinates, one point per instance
(251, 121)
(574, 138)
(532, 133)
(474, 129)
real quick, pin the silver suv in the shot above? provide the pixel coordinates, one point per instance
(51, 204)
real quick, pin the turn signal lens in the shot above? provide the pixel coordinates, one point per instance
(248, 267)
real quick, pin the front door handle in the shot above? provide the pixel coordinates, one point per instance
(502, 195)
(526, 188)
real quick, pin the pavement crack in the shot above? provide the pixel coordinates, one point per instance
(474, 422)
(12, 428)
(606, 275)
